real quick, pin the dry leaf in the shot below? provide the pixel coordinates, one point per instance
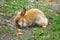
(51, 0)
(19, 34)
(1, 13)
(57, 14)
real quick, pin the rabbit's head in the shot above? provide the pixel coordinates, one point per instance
(22, 21)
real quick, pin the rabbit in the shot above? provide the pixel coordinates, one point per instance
(33, 16)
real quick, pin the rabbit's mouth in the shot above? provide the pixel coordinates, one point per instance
(21, 25)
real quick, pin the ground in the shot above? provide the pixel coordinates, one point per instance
(8, 30)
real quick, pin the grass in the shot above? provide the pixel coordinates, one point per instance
(52, 32)
(9, 7)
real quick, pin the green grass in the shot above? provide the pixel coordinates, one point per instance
(52, 32)
(6, 29)
(10, 8)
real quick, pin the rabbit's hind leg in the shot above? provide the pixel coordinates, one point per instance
(43, 25)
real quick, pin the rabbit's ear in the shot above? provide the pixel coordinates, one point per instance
(23, 11)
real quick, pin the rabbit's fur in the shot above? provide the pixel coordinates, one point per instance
(32, 16)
